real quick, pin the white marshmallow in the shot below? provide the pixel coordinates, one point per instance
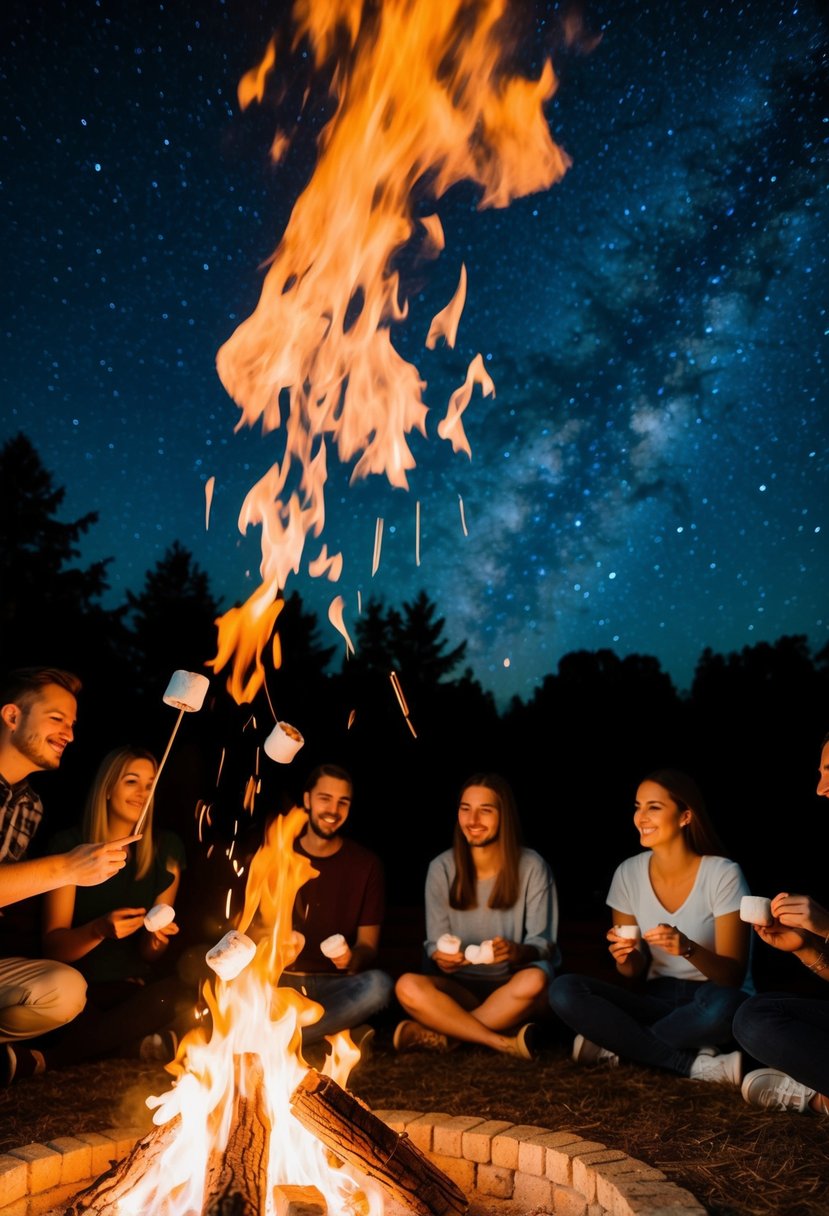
(334, 946)
(283, 743)
(756, 910)
(231, 955)
(480, 954)
(186, 690)
(159, 917)
(447, 943)
(632, 931)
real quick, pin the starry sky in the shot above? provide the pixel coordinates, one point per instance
(651, 475)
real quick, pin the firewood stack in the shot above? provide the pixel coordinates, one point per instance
(236, 1179)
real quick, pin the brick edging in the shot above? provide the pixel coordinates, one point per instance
(532, 1167)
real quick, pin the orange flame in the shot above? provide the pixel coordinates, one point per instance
(451, 427)
(250, 1014)
(243, 634)
(252, 85)
(423, 97)
(445, 323)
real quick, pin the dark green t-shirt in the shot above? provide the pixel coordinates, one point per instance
(119, 959)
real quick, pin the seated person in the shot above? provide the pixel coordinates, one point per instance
(790, 1033)
(101, 929)
(347, 898)
(38, 706)
(676, 922)
(486, 888)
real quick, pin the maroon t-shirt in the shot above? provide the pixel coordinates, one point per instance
(349, 892)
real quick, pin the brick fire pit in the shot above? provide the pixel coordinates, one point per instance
(504, 1168)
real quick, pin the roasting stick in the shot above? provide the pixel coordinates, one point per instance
(185, 692)
(149, 797)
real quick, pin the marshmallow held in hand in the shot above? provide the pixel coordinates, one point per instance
(334, 946)
(631, 931)
(480, 954)
(231, 955)
(159, 917)
(756, 910)
(447, 943)
(186, 690)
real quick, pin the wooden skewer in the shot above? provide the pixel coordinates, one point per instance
(139, 825)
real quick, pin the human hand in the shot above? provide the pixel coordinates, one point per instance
(667, 938)
(121, 922)
(343, 961)
(91, 864)
(621, 947)
(504, 951)
(800, 912)
(159, 939)
(780, 937)
(449, 962)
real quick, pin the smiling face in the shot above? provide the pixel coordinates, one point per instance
(479, 816)
(657, 816)
(328, 804)
(41, 728)
(125, 800)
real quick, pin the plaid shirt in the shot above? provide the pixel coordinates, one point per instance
(20, 813)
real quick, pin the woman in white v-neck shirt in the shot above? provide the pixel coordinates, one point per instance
(676, 925)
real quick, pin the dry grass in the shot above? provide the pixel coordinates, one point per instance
(736, 1160)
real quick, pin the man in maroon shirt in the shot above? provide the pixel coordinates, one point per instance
(347, 898)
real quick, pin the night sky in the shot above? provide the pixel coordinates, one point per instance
(651, 475)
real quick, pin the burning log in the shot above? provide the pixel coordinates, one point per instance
(351, 1131)
(235, 1179)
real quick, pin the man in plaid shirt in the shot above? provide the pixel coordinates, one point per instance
(37, 720)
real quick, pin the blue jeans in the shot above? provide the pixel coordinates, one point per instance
(347, 1000)
(787, 1032)
(662, 1026)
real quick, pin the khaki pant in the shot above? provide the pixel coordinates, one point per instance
(37, 995)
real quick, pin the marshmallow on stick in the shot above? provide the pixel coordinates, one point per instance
(185, 692)
(283, 743)
(231, 955)
(159, 917)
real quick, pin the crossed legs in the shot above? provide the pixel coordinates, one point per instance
(444, 1005)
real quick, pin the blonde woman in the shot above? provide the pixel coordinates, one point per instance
(100, 930)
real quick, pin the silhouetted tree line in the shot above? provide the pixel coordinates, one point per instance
(748, 729)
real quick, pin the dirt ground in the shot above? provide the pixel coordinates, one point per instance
(736, 1160)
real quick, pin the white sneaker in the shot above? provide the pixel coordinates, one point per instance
(775, 1090)
(585, 1052)
(728, 1067)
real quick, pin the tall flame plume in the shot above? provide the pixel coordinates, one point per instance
(424, 100)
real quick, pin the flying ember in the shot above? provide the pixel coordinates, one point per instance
(424, 97)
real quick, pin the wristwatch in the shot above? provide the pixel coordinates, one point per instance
(691, 947)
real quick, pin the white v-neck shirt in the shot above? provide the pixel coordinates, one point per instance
(718, 888)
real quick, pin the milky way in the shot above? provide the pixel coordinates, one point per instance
(651, 475)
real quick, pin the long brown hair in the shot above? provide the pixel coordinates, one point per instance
(462, 892)
(700, 832)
